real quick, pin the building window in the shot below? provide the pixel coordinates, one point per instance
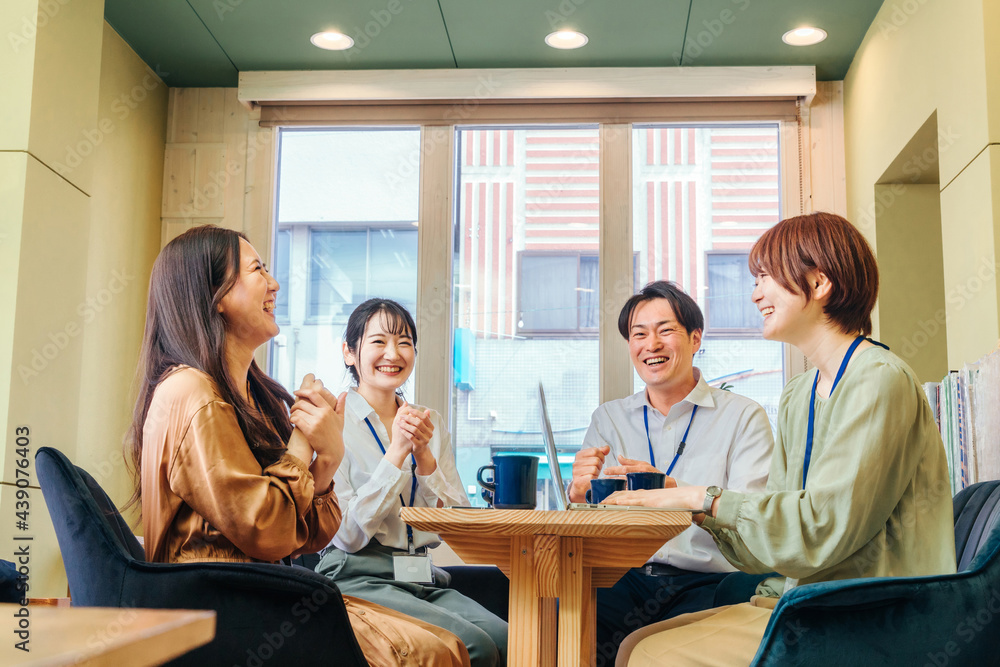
(558, 293)
(283, 242)
(728, 307)
(349, 267)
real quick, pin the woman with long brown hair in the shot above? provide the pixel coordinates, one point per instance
(220, 471)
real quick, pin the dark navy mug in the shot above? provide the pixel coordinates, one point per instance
(645, 480)
(514, 483)
(602, 488)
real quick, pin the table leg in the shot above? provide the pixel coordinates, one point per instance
(523, 646)
(576, 606)
(548, 635)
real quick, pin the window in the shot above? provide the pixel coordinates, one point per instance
(729, 309)
(347, 206)
(525, 272)
(702, 196)
(524, 207)
(349, 267)
(558, 293)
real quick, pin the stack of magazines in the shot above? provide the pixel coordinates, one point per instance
(966, 404)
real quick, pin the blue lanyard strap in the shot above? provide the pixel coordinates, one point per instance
(413, 485)
(680, 448)
(812, 400)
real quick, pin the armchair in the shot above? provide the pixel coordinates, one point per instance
(263, 611)
(938, 620)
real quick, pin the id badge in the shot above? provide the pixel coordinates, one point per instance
(412, 568)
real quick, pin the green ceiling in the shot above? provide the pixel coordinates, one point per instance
(207, 42)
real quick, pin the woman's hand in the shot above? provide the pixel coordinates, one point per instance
(319, 415)
(299, 447)
(683, 497)
(418, 429)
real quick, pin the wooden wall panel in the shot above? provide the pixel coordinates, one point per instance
(191, 181)
(219, 166)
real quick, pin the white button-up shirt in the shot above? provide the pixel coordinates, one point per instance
(369, 487)
(729, 445)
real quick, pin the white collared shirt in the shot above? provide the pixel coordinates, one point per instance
(369, 487)
(729, 445)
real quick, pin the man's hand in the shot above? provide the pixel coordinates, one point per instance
(587, 465)
(627, 465)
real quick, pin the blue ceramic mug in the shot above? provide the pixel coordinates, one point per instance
(602, 488)
(514, 483)
(645, 480)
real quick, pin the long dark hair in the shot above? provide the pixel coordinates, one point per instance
(184, 327)
(397, 319)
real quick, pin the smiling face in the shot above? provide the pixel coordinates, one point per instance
(661, 349)
(788, 317)
(248, 308)
(383, 359)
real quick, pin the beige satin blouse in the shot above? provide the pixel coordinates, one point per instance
(205, 496)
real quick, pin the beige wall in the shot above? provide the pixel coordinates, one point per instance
(123, 242)
(918, 59)
(913, 317)
(79, 198)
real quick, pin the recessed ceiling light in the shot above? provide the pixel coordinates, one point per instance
(566, 39)
(332, 41)
(804, 36)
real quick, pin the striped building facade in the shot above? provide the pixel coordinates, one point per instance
(695, 190)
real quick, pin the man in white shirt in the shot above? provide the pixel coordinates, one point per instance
(677, 425)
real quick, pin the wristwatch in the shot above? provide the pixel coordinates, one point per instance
(711, 493)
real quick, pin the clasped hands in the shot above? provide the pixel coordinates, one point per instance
(318, 417)
(412, 430)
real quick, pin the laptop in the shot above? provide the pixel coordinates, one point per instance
(562, 497)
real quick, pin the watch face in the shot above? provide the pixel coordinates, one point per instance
(713, 491)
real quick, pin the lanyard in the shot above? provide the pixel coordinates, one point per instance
(413, 486)
(812, 401)
(680, 448)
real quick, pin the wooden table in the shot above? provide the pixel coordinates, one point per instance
(549, 555)
(97, 636)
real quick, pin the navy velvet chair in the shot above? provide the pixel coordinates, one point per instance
(265, 614)
(937, 620)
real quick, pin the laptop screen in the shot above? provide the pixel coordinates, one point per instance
(550, 451)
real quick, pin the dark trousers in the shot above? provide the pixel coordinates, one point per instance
(639, 599)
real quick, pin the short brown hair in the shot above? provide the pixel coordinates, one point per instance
(828, 243)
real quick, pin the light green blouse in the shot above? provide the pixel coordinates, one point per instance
(877, 501)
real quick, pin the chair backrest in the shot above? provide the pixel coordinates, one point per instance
(95, 541)
(106, 567)
(976, 510)
(900, 620)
